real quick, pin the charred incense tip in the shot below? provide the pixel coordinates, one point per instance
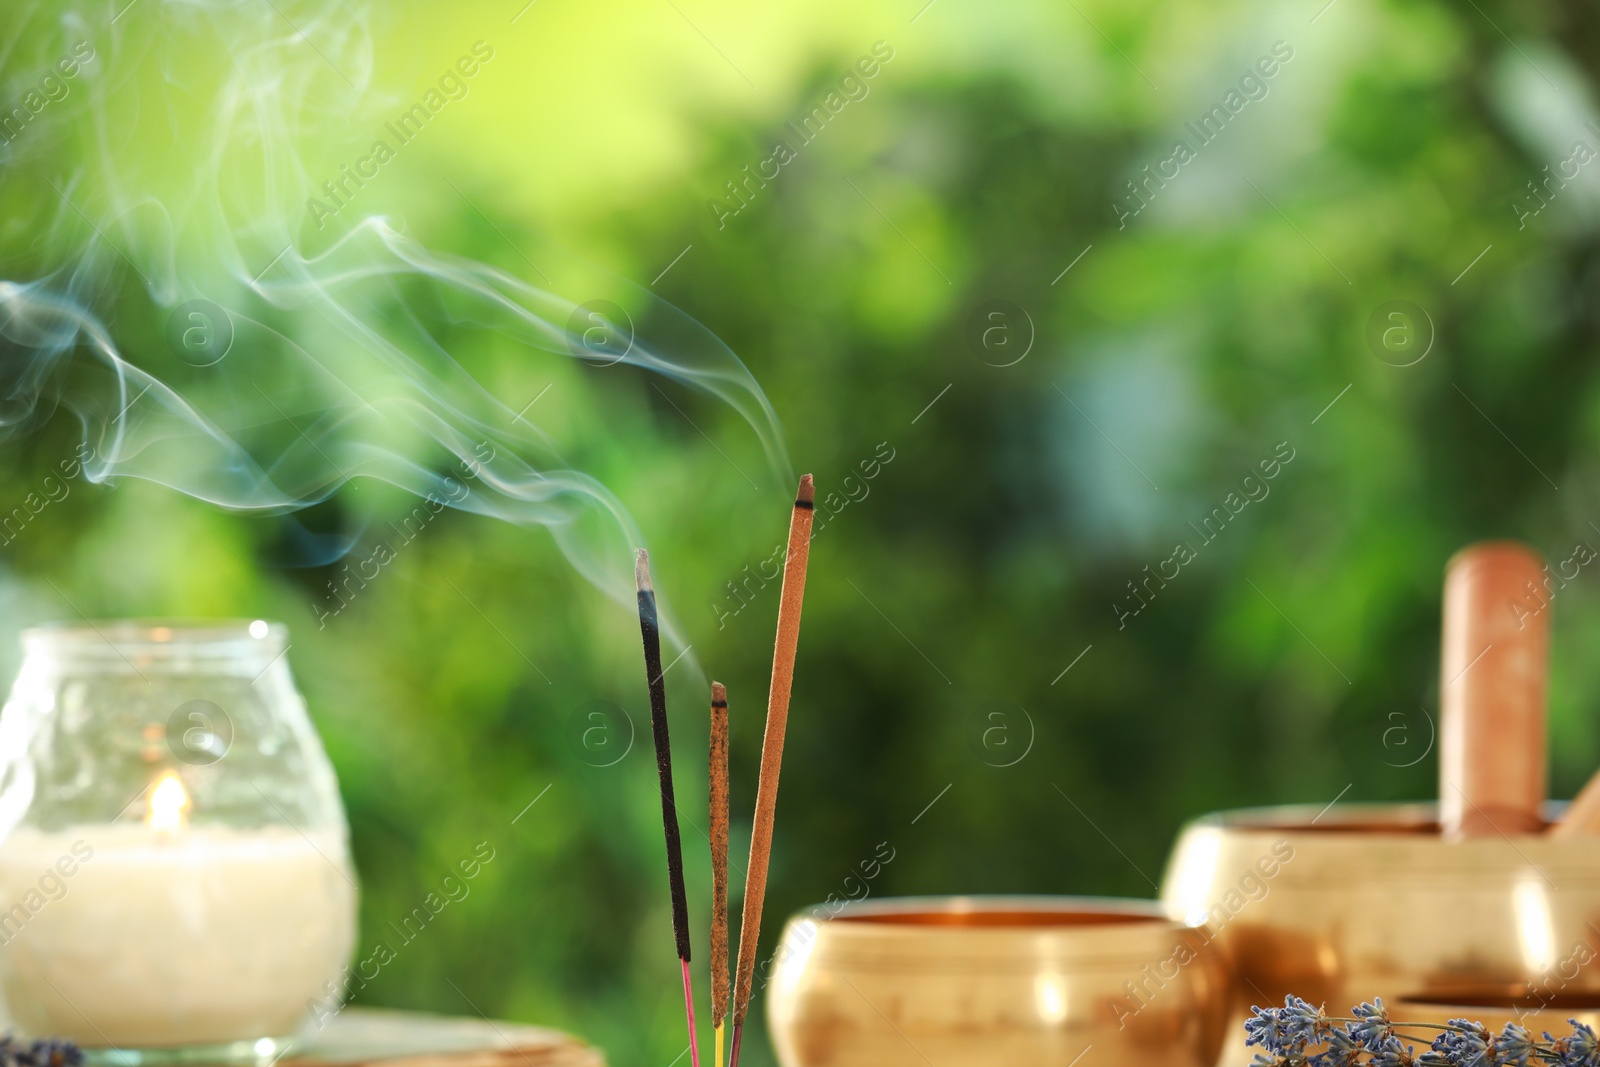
(641, 571)
(719, 695)
(807, 494)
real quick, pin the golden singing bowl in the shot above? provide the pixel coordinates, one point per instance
(1343, 904)
(992, 981)
(1552, 1014)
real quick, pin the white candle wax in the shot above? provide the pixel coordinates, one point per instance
(128, 935)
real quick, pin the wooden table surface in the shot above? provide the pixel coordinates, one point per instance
(371, 1037)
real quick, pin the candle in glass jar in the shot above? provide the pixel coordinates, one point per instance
(163, 933)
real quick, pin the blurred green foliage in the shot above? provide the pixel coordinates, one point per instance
(1294, 658)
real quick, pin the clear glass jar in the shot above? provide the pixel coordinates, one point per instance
(174, 857)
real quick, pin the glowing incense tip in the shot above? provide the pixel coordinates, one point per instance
(641, 571)
(807, 495)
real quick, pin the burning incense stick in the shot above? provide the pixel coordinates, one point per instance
(719, 862)
(755, 884)
(650, 629)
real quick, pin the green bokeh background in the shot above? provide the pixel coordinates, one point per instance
(1294, 658)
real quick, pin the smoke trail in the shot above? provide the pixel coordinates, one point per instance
(154, 175)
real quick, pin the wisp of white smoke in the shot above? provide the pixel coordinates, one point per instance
(153, 184)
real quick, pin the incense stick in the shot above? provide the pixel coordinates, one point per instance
(650, 630)
(755, 886)
(719, 863)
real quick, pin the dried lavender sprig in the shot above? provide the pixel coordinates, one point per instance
(1286, 1030)
(44, 1052)
(1582, 1049)
(1370, 1037)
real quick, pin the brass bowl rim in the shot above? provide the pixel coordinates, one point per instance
(1409, 820)
(1146, 914)
(1461, 1004)
(858, 943)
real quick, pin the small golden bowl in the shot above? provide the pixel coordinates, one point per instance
(1540, 1014)
(992, 981)
(1343, 904)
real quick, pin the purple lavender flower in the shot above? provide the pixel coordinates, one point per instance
(1467, 1045)
(1513, 1046)
(1263, 1029)
(1581, 1049)
(49, 1052)
(1343, 1049)
(1287, 1030)
(1302, 1024)
(1268, 1030)
(1391, 1052)
(1375, 1028)
(45, 1052)
(1370, 1039)
(1270, 1061)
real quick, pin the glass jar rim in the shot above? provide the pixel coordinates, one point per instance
(158, 637)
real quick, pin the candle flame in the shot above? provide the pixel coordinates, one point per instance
(167, 803)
